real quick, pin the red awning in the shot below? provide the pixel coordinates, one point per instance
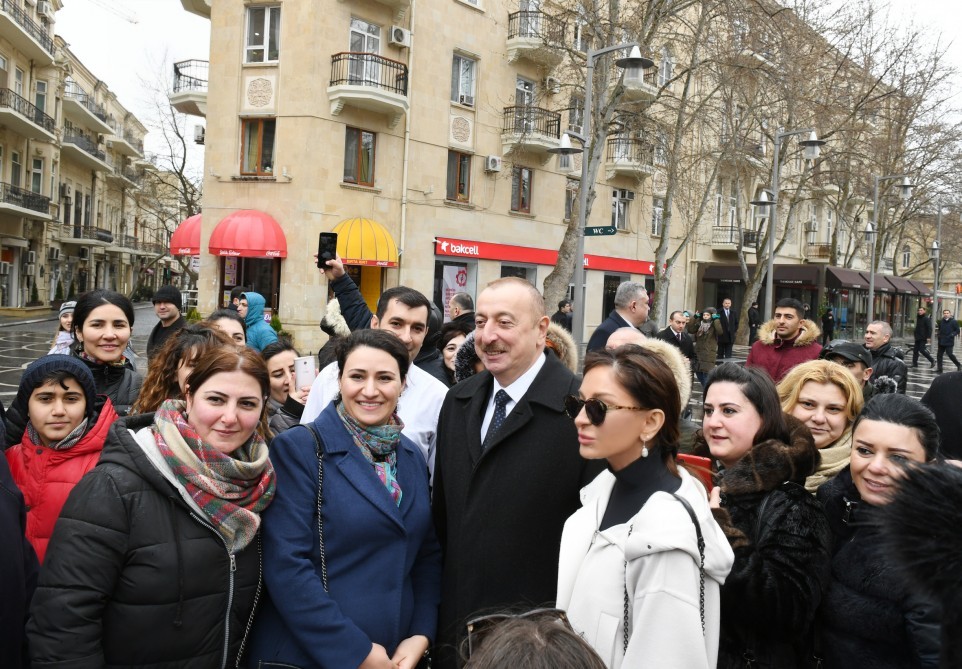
(186, 238)
(248, 234)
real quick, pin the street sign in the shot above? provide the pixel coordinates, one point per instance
(599, 231)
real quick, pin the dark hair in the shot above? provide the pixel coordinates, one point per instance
(451, 330)
(187, 345)
(276, 347)
(791, 303)
(233, 358)
(563, 303)
(407, 296)
(463, 300)
(236, 292)
(671, 316)
(92, 299)
(649, 380)
(535, 642)
(906, 411)
(759, 389)
(229, 314)
(379, 339)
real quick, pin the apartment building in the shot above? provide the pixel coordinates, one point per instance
(428, 150)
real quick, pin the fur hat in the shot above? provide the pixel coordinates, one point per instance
(465, 359)
(562, 343)
(37, 370)
(67, 308)
(678, 364)
(333, 323)
(167, 294)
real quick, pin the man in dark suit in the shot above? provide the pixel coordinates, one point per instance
(631, 310)
(729, 322)
(508, 471)
(675, 334)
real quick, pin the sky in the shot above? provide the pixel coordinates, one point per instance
(125, 54)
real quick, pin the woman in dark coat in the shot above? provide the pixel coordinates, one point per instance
(777, 530)
(872, 618)
(705, 328)
(351, 561)
(155, 561)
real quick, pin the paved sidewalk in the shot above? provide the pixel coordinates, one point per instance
(50, 316)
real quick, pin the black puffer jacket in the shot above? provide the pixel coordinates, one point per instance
(871, 618)
(781, 561)
(134, 577)
(887, 361)
(18, 571)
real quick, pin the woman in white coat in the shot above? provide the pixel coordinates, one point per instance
(642, 561)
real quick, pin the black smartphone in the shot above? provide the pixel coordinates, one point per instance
(326, 248)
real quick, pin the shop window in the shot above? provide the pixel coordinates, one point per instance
(263, 35)
(462, 79)
(453, 277)
(527, 272)
(359, 154)
(257, 157)
(620, 200)
(610, 287)
(459, 176)
(521, 189)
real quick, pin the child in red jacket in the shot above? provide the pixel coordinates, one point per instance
(66, 429)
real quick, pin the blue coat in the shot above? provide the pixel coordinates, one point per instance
(383, 561)
(948, 331)
(259, 333)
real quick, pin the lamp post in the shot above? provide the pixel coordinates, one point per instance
(812, 149)
(905, 191)
(634, 60)
(934, 254)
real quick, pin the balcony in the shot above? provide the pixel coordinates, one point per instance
(129, 242)
(25, 34)
(369, 81)
(105, 237)
(153, 248)
(629, 157)
(640, 85)
(199, 7)
(125, 176)
(742, 148)
(21, 116)
(80, 107)
(819, 253)
(730, 238)
(82, 150)
(125, 143)
(536, 37)
(755, 51)
(16, 201)
(530, 129)
(190, 87)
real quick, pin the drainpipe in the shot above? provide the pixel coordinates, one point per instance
(406, 152)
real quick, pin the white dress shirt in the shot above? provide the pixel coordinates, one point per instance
(515, 391)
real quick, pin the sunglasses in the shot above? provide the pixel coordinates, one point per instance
(594, 408)
(478, 628)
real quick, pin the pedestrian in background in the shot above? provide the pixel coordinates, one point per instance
(563, 315)
(705, 328)
(167, 306)
(64, 337)
(828, 326)
(923, 332)
(285, 406)
(230, 323)
(728, 318)
(452, 336)
(754, 322)
(948, 331)
(259, 332)
(887, 360)
(787, 340)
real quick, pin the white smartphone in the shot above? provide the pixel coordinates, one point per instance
(305, 369)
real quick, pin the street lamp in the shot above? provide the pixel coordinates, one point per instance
(812, 149)
(633, 60)
(934, 254)
(905, 192)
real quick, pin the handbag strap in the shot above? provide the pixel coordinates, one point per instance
(320, 489)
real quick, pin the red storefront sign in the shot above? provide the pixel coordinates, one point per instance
(463, 248)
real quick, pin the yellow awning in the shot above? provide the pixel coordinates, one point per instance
(361, 241)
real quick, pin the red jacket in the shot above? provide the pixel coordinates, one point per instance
(777, 356)
(46, 476)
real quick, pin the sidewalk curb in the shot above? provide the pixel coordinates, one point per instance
(55, 317)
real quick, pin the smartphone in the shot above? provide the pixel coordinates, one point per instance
(326, 248)
(305, 369)
(697, 465)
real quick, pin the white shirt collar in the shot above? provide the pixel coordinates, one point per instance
(519, 387)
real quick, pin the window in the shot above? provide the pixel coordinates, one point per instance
(666, 68)
(812, 227)
(576, 115)
(906, 257)
(521, 178)
(459, 176)
(657, 215)
(620, 199)
(36, 176)
(571, 197)
(462, 79)
(359, 154)
(16, 169)
(829, 222)
(257, 157)
(364, 38)
(263, 34)
(759, 213)
(580, 40)
(565, 164)
(40, 98)
(719, 201)
(527, 272)
(18, 81)
(733, 204)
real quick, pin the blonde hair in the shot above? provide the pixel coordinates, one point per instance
(823, 372)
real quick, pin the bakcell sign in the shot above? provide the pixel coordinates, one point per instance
(464, 248)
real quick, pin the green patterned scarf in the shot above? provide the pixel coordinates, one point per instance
(378, 445)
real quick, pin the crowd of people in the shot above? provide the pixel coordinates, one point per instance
(469, 493)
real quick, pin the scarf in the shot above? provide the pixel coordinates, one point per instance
(378, 445)
(89, 358)
(703, 327)
(834, 459)
(231, 489)
(67, 442)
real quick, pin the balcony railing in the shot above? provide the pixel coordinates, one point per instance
(98, 234)
(536, 24)
(191, 75)
(24, 199)
(734, 236)
(86, 144)
(24, 107)
(630, 150)
(134, 141)
(129, 241)
(31, 27)
(74, 91)
(369, 69)
(819, 251)
(527, 120)
(152, 247)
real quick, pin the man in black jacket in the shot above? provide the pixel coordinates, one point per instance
(923, 332)
(948, 331)
(675, 334)
(563, 315)
(167, 306)
(886, 359)
(728, 318)
(631, 310)
(461, 308)
(754, 322)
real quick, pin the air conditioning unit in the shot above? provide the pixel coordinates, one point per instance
(466, 100)
(45, 10)
(200, 132)
(629, 195)
(400, 37)
(84, 253)
(30, 269)
(624, 194)
(66, 190)
(4, 268)
(811, 226)
(54, 254)
(31, 257)
(552, 85)
(492, 163)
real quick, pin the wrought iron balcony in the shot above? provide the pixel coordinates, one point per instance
(531, 129)
(640, 84)
(129, 241)
(73, 91)
(82, 149)
(98, 234)
(29, 36)
(189, 94)
(730, 238)
(22, 116)
(535, 36)
(24, 199)
(368, 81)
(629, 156)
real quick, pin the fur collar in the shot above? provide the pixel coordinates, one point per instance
(563, 344)
(808, 333)
(770, 463)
